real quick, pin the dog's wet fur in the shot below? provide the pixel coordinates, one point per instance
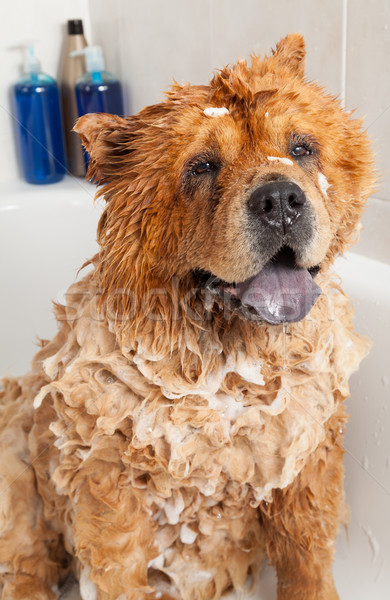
(187, 420)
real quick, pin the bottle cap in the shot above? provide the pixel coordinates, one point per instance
(93, 58)
(75, 27)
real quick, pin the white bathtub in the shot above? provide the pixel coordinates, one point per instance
(46, 233)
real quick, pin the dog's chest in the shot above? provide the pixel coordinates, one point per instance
(206, 417)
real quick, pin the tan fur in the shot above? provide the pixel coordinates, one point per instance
(161, 445)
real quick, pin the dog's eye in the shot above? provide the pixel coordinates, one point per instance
(302, 146)
(204, 167)
(301, 150)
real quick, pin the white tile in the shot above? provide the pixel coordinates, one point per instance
(368, 80)
(239, 28)
(159, 42)
(374, 240)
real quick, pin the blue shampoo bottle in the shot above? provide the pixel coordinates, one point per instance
(39, 124)
(97, 90)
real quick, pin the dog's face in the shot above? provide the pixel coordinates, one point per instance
(251, 184)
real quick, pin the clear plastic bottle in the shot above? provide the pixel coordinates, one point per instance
(39, 124)
(70, 71)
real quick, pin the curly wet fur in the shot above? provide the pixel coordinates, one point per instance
(162, 446)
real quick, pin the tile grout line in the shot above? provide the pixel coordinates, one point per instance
(344, 44)
(124, 78)
(211, 37)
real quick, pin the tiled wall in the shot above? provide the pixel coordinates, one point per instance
(150, 42)
(368, 76)
(153, 42)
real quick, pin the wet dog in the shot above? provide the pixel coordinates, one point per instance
(187, 420)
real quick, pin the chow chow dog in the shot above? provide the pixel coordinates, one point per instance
(187, 420)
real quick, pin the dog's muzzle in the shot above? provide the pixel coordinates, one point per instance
(280, 225)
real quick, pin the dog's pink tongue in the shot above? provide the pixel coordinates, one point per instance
(280, 293)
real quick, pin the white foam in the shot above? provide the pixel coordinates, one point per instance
(187, 535)
(323, 183)
(88, 589)
(213, 111)
(50, 367)
(278, 404)
(283, 160)
(173, 508)
(228, 406)
(157, 563)
(250, 370)
(40, 396)
(200, 575)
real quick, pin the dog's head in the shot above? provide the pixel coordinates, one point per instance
(248, 186)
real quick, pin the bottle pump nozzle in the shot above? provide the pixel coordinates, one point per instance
(31, 63)
(93, 58)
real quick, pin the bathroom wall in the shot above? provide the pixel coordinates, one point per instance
(151, 42)
(41, 21)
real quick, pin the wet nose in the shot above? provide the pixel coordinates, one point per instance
(278, 204)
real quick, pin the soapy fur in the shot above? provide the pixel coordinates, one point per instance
(161, 446)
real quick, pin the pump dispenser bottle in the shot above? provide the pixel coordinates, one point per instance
(39, 126)
(72, 68)
(97, 90)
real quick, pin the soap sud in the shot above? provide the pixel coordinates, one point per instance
(40, 396)
(157, 563)
(266, 114)
(323, 183)
(250, 370)
(374, 544)
(88, 589)
(216, 112)
(226, 405)
(283, 160)
(49, 366)
(385, 380)
(365, 463)
(173, 508)
(187, 535)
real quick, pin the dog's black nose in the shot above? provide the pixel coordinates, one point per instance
(278, 204)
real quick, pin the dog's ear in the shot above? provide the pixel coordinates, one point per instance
(107, 139)
(290, 52)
